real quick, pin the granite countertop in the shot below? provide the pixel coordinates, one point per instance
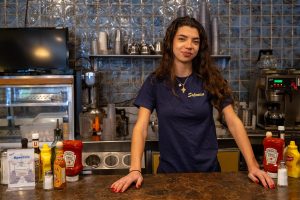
(165, 186)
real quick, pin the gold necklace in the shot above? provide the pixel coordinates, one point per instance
(182, 84)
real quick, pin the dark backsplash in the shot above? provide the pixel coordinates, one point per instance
(245, 27)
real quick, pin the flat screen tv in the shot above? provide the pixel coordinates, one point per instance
(33, 49)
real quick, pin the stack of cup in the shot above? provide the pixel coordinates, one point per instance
(102, 43)
(109, 124)
(118, 45)
(215, 36)
(204, 19)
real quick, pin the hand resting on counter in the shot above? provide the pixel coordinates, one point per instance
(123, 183)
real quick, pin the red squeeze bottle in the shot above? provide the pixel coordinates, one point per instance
(273, 154)
(73, 155)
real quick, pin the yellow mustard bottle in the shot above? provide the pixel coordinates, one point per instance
(293, 160)
(45, 160)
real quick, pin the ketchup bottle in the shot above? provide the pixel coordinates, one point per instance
(73, 155)
(273, 154)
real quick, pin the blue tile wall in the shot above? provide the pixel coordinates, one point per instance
(245, 27)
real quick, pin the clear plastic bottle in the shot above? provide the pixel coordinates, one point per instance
(57, 137)
(282, 179)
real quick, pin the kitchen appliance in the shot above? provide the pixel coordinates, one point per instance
(31, 104)
(278, 98)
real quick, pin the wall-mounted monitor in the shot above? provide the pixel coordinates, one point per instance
(33, 49)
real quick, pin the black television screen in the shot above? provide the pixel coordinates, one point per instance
(33, 48)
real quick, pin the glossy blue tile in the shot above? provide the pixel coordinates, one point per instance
(256, 10)
(255, 31)
(158, 21)
(147, 10)
(235, 21)
(296, 21)
(287, 20)
(277, 9)
(245, 20)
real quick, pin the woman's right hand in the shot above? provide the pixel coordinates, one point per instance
(123, 183)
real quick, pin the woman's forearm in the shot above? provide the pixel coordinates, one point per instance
(239, 133)
(137, 148)
(139, 135)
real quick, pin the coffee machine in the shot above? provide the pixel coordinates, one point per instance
(278, 98)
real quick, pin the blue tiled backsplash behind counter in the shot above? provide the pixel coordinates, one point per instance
(245, 26)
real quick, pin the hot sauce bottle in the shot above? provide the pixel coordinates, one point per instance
(59, 167)
(273, 154)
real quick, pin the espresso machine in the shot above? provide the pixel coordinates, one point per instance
(278, 98)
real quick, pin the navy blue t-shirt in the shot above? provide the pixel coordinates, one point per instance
(187, 134)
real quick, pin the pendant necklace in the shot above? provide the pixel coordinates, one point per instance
(181, 85)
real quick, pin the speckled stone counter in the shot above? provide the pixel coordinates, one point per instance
(165, 186)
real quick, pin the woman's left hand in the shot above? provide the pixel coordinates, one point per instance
(257, 175)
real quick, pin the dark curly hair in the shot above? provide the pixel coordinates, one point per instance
(203, 65)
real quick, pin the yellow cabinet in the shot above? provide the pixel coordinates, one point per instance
(229, 159)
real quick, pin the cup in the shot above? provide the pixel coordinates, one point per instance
(86, 125)
(94, 49)
(102, 43)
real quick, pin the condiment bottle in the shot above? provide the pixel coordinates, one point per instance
(281, 130)
(273, 153)
(37, 156)
(282, 179)
(293, 160)
(73, 156)
(59, 167)
(24, 143)
(57, 137)
(45, 160)
(66, 130)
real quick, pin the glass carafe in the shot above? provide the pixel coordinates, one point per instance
(273, 116)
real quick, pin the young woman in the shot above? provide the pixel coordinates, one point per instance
(183, 90)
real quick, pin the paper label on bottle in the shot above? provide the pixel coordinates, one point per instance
(59, 176)
(70, 158)
(37, 166)
(271, 156)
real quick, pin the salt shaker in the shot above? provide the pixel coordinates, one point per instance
(282, 179)
(48, 181)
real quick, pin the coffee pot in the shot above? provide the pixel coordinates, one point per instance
(266, 59)
(273, 116)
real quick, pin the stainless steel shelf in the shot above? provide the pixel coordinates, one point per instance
(33, 104)
(125, 56)
(146, 56)
(221, 56)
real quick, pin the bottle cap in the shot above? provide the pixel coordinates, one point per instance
(59, 145)
(35, 136)
(280, 128)
(293, 145)
(268, 134)
(65, 119)
(24, 142)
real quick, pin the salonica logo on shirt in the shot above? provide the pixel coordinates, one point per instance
(192, 94)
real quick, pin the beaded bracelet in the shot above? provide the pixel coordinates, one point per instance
(135, 170)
